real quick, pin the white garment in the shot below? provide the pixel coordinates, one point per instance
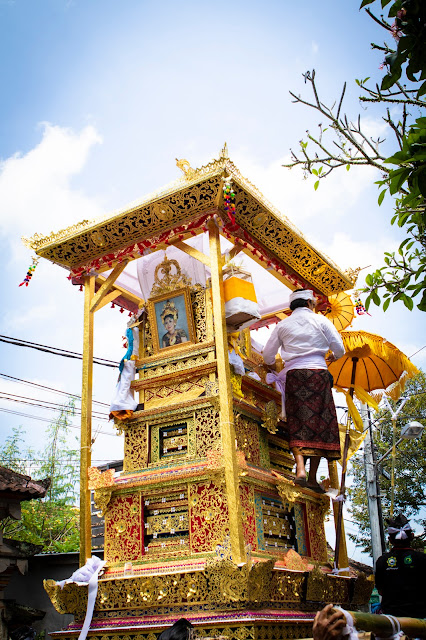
(304, 337)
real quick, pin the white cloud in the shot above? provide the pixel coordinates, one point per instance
(35, 188)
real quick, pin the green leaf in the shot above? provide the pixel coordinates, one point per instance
(381, 196)
(348, 166)
(364, 3)
(422, 303)
(315, 172)
(386, 304)
(316, 185)
(369, 279)
(376, 298)
(408, 302)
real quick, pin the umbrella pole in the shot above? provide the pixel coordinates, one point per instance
(339, 525)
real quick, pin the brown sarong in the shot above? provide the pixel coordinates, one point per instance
(311, 414)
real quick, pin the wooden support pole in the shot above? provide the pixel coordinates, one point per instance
(343, 560)
(381, 626)
(86, 422)
(225, 401)
(107, 284)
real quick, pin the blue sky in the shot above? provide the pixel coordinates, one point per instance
(100, 97)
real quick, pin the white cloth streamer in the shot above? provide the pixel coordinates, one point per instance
(401, 535)
(396, 628)
(87, 575)
(349, 630)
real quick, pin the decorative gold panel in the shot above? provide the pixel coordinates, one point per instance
(207, 431)
(209, 520)
(135, 446)
(247, 434)
(123, 529)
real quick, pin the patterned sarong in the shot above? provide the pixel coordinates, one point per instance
(311, 414)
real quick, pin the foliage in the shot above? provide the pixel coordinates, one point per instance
(410, 466)
(343, 143)
(53, 521)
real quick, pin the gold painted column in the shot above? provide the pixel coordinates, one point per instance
(335, 484)
(86, 423)
(225, 400)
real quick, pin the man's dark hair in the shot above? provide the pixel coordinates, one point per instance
(179, 631)
(299, 302)
(398, 522)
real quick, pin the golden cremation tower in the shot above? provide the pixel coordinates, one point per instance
(205, 521)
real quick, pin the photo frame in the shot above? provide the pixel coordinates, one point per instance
(171, 319)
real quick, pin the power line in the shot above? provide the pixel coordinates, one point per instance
(42, 386)
(56, 406)
(56, 351)
(33, 417)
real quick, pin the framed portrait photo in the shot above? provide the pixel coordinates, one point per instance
(171, 319)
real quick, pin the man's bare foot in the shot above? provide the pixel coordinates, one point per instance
(314, 486)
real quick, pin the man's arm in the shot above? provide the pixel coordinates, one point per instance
(271, 348)
(327, 625)
(334, 338)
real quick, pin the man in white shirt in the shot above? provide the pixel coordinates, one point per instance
(307, 401)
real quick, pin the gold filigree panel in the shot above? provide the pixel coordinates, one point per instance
(135, 447)
(325, 588)
(123, 528)
(286, 243)
(207, 431)
(318, 543)
(247, 434)
(144, 221)
(209, 519)
(287, 586)
(174, 392)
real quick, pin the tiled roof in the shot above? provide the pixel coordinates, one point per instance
(23, 486)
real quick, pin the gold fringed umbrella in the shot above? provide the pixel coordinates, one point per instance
(379, 364)
(340, 310)
(370, 363)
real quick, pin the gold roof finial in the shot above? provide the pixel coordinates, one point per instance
(183, 165)
(224, 153)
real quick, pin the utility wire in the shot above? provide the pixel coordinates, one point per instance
(42, 386)
(33, 417)
(55, 406)
(56, 351)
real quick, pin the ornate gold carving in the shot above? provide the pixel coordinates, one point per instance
(123, 529)
(162, 211)
(209, 520)
(322, 587)
(39, 240)
(270, 416)
(136, 446)
(212, 392)
(229, 582)
(287, 586)
(288, 491)
(352, 275)
(207, 431)
(102, 499)
(185, 167)
(247, 434)
(236, 380)
(98, 479)
(363, 588)
(169, 281)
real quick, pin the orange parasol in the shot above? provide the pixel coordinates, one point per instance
(378, 364)
(370, 363)
(340, 310)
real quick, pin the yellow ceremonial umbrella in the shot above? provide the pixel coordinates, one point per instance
(370, 363)
(340, 310)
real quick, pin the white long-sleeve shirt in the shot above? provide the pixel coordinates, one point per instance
(304, 338)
